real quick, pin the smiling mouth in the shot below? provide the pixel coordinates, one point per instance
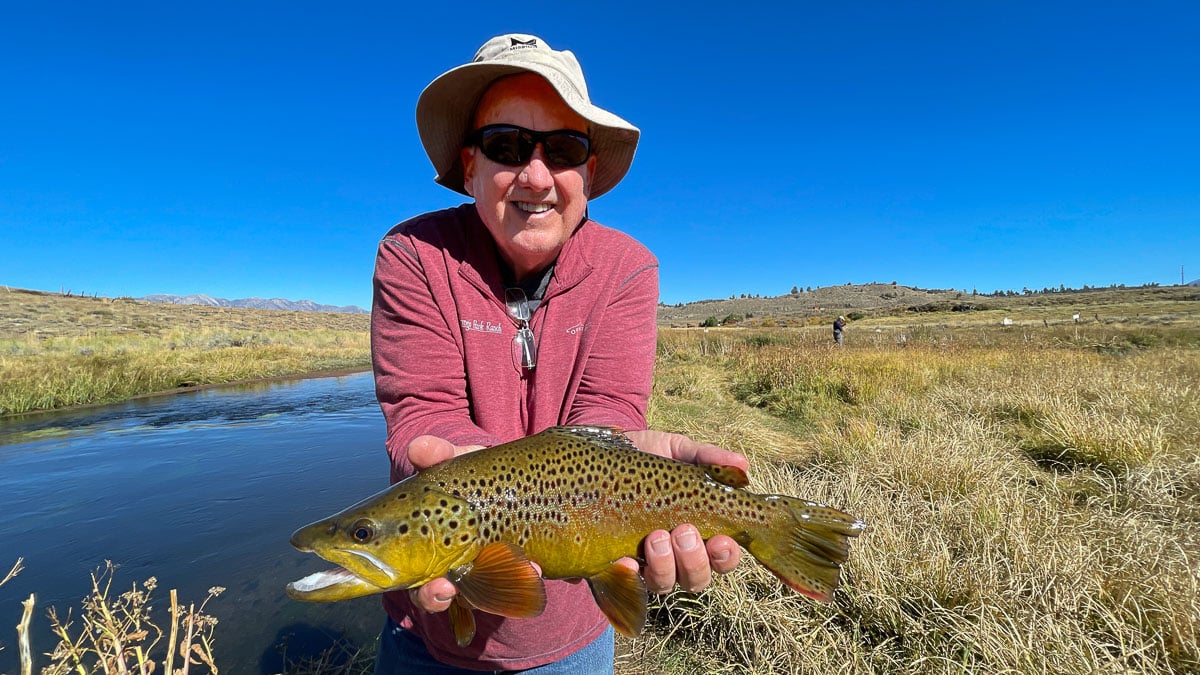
(530, 207)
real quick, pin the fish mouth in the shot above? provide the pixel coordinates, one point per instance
(375, 571)
(361, 566)
(332, 585)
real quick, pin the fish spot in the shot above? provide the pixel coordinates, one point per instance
(424, 529)
(403, 529)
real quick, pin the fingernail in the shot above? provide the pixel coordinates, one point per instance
(687, 540)
(660, 545)
(441, 597)
(722, 555)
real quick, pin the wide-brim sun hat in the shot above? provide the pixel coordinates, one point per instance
(446, 107)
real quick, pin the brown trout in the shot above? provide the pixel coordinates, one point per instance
(574, 500)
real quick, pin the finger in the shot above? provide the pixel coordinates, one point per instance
(691, 559)
(659, 572)
(723, 553)
(631, 564)
(425, 451)
(434, 596)
(684, 449)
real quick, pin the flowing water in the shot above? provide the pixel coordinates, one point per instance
(198, 489)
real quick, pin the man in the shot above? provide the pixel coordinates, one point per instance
(502, 317)
(839, 324)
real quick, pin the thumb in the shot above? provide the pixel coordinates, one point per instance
(425, 451)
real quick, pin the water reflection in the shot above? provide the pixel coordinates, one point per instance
(198, 489)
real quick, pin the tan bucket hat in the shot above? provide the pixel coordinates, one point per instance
(445, 108)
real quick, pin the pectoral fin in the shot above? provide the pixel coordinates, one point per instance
(462, 621)
(621, 595)
(501, 580)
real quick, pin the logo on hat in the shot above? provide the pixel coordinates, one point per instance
(515, 43)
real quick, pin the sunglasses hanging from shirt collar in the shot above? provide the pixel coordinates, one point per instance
(524, 349)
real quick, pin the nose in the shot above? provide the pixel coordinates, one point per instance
(536, 175)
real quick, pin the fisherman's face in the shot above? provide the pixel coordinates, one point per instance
(530, 210)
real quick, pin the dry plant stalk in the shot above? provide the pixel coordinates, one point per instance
(23, 632)
(16, 569)
(23, 627)
(118, 635)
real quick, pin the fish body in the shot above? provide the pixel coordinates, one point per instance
(574, 500)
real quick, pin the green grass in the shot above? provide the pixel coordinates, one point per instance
(58, 351)
(48, 373)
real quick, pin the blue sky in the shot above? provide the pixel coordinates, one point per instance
(262, 149)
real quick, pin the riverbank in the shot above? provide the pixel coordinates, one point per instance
(61, 351)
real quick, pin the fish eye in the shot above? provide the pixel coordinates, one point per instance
(363, 531)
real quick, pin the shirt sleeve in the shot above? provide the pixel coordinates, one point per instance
(615, 387)
(420, 379)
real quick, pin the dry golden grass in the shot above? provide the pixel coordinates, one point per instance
(1033, 501)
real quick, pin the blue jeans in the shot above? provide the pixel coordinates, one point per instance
(402, 653)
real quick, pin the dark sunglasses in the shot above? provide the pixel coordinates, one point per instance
(513, 146)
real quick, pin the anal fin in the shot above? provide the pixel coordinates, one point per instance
(621, 594)
(727, 475)
(501, 580)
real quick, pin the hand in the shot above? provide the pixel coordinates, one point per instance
(680, 556)
(424, 452)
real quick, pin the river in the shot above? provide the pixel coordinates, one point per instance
(197, 489)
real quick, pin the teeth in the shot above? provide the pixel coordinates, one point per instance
(530, 207)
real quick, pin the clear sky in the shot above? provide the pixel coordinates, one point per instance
(262, 149)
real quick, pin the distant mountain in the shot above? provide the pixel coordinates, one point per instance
(253, 303)
(1195, 283)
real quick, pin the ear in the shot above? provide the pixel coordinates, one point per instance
(587, 179)
(467, 157)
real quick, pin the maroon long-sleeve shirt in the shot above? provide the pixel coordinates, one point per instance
(441, 341)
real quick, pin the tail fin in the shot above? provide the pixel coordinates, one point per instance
(806, 546)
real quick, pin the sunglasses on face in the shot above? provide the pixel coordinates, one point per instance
(513, 146)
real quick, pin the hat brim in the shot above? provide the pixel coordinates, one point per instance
(445, 107)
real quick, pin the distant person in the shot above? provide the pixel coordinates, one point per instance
(839, 324)
(512, 313)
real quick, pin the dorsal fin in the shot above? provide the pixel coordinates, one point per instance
(501, 580)
(727, 475)
(621, 595)
(612, 437)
